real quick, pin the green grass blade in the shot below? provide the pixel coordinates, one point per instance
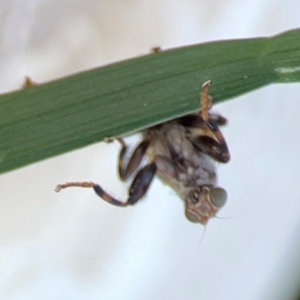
(73, 112)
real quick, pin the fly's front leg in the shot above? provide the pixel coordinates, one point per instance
(137, 189)
(221, 147)
(218, 150)
(125, 171)
(210, 140)
(206, 104)
(199, 119)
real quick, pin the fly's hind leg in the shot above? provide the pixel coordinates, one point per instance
(137, 189)
(139, 185)
(125, 171)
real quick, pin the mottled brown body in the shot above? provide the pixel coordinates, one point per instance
(179, 163)
(182, 153)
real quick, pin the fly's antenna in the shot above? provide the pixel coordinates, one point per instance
(202, 236)
(223, 218)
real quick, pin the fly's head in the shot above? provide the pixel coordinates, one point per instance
(203, 202)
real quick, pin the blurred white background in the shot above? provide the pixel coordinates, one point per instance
(73, 245)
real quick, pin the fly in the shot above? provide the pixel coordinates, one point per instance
(183, 153)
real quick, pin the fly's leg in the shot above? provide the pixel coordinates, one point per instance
(222, 146)
(203, 115)
(137, 189)
(205, 100)
(125, 171)
(220, 149)
(141, 183)
(88, 184)
(211, 141)
(199, 120)
(212, 148)
(206, 104)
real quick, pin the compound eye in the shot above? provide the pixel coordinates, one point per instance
(218, 197)
(191, 217)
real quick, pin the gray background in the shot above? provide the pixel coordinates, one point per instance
(74, 246)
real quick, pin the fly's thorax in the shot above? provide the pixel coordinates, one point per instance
(203, 202)
(179, 164)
